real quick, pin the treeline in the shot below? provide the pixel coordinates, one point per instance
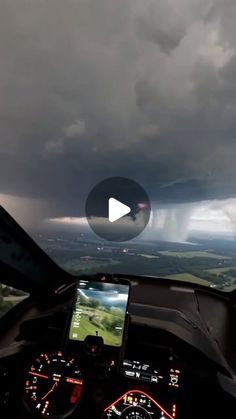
(165, 265)
(112, 323)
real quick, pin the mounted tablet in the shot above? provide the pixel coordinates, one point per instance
(100, 310)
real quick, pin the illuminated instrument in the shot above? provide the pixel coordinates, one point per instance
(136, 404)
(53, 386)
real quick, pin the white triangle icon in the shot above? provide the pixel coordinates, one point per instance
(117, 210)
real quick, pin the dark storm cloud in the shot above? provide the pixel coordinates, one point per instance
(142, 89)
(163, 24)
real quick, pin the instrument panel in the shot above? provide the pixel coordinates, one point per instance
(149, 373)
(135, 404)
(53, 385)
(82, 379)
(155, 374)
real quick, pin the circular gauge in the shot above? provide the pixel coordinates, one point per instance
(53, 386)
(135, 413)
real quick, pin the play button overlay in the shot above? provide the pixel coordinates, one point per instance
(118, 209)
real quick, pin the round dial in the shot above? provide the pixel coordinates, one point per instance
(135, 413)
(136, 404)
(53, 385)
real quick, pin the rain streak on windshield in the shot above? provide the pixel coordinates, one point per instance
(141, 89)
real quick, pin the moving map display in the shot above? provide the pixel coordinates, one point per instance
(100, 310)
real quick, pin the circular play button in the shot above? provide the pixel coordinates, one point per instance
(118, 209)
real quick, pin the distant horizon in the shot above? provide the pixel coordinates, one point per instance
(62, 229)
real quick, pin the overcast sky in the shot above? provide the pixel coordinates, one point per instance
(96, 88)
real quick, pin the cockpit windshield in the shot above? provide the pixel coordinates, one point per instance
(142, 90)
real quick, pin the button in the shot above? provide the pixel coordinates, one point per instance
(118, 209)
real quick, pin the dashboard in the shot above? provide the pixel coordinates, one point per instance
(58, 384)
(158, 372)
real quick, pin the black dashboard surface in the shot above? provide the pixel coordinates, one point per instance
(179, 342)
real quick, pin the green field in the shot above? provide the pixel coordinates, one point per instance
(99, 322)
(189, 278)
(15, 299)
(82, 265)
(217, 271)
(194, 254)
(9, 297)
